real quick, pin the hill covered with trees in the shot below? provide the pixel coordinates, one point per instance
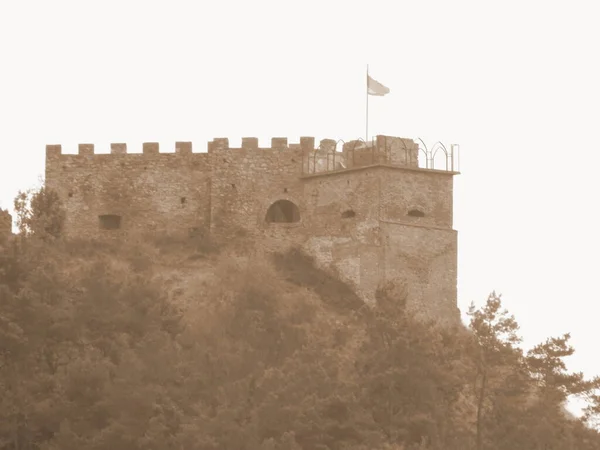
(197, 344)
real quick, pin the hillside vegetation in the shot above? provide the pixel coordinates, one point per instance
(193, 344)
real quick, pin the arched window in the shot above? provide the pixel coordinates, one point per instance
(283, 211)
(416, 213)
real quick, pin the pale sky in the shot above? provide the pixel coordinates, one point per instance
(514, 83)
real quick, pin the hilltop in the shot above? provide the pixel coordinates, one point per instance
(201, 343)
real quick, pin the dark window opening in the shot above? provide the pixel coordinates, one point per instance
(233, 185)
(110, 222)
(283, 211)
(194, 231)
(348, 214)
(416, 213)
(183, 200)
(284, 189)
(70, 194)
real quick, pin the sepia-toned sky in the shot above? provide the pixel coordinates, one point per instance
(515, 84)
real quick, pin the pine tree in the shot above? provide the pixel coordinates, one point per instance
(495, 354)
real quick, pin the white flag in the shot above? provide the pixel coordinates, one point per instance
(376, 88)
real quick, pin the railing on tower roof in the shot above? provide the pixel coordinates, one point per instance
(383, 150)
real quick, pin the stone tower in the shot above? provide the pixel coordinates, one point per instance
(370, 211)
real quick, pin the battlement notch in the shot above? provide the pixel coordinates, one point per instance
(183, 148)
(328, 145)
(307, 144)
(86, 149)
(218, 144)
(279, 143)
(250, 143)
(150, 148)
(53, 150)
(118, 149)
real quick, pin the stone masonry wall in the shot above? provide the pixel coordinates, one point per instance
(425, 261)
(370, 219)
(151, 191)
(341, 217)
(246, 181)
(426, 191)
(380, 242)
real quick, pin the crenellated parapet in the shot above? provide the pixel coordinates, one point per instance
(152, 148)
(329, 155)
(306, 144)
(148, 148)
(308, 156)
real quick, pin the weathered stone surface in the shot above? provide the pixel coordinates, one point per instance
(372, 216)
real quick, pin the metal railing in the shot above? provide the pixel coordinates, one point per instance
(339, 155)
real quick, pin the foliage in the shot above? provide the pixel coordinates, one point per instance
(521, 398)
(95, 353)
(40, 213)
(496, 358)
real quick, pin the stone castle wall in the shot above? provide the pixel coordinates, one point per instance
(246, 181)
(368, 212)
(381, 241)
(151, 191)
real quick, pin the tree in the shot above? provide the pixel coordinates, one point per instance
(411, 374)
(495, 336)
(100, 349)
(39, 213)
(556, 384)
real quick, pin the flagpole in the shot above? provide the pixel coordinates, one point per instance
(367, 115)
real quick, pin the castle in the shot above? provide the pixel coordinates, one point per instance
(369, 211)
